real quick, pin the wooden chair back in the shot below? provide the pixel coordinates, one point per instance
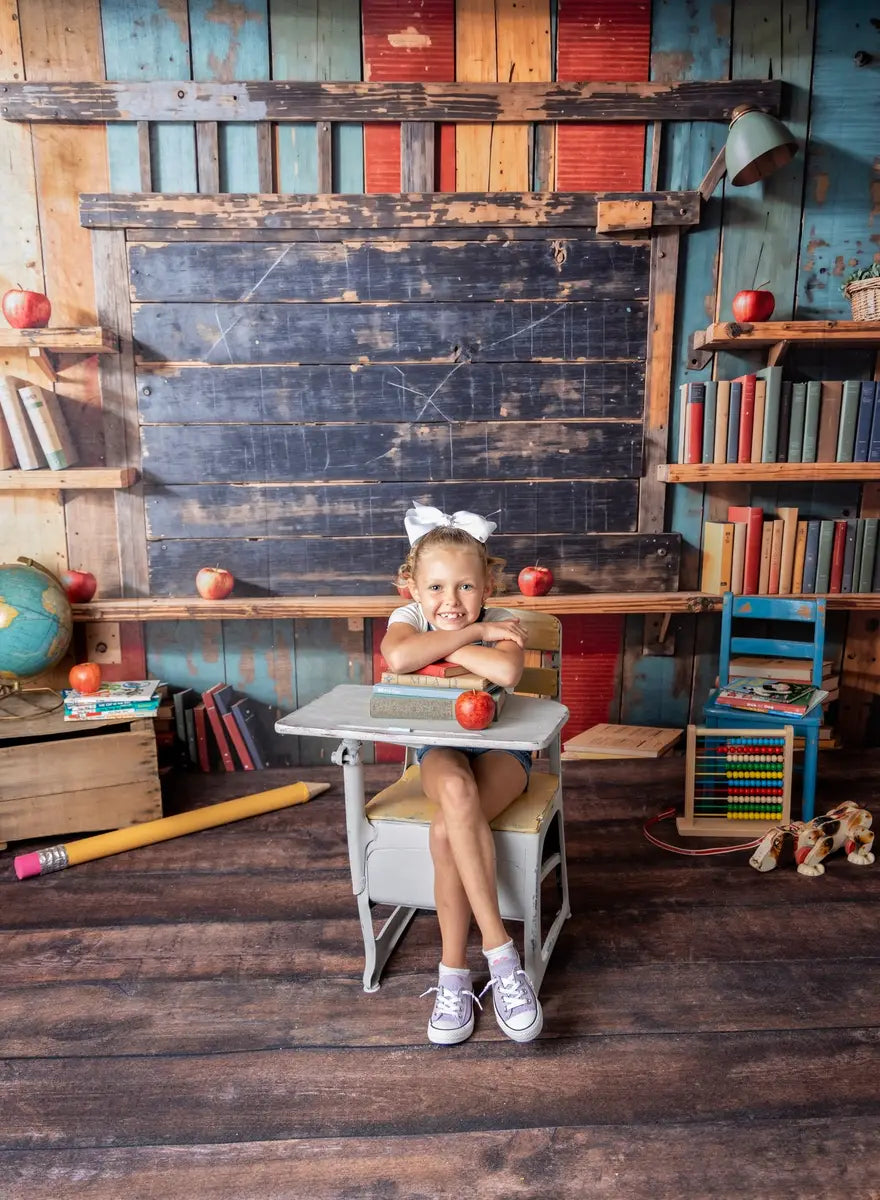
(803, 612)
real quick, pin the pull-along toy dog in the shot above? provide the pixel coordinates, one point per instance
(845, 827)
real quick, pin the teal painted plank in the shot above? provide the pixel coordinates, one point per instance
(317, 40)
(231, 42)
(687, 42)
(840, 204)
(185, 653)
(260, 662)
(148, 40)
(327, 653)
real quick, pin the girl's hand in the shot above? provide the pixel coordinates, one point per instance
(511, 630)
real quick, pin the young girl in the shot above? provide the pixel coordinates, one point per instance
(450, 576)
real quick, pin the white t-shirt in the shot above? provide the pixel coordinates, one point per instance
(411, 614)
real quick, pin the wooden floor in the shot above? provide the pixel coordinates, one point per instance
(186, 1021)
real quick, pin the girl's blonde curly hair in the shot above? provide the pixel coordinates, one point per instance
(448, 535)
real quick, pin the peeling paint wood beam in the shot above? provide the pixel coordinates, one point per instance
(297, 100)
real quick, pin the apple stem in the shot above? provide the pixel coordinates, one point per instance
(762, 285)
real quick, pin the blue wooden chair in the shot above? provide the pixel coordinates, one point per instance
(808, 613)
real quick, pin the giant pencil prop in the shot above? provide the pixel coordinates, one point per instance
(56, 858)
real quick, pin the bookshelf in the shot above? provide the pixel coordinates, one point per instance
(40, 344)
(756, 472)
(777, 336)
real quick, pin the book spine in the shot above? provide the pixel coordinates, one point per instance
(823, 561)
(746, 419)
(246, 717)
(812, 404)
(784, 421)
(829, 419)
(777, 527)
(722, 413)
(800, 550)
(796, 423)
(733, 420)
(874, 447)
(218, 731)
(857, 556)
(710, 408)
(766, 546)
(682, 422)
(780, 710)
(773, 380)
(694, 423)
(758, 424)
(838, 551)
(849, 414)
(738, 561)
(811, 557)
(7, 449)
(869, 553)
(45, 427)
(201, 725)
(20, 431)
(862, 447)
(717, 559)
(110, 706)
(231, 726)
(789, 537)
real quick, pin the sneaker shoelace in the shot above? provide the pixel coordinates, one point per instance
(448, 1002)
(509, 990)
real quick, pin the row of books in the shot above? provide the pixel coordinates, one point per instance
(222, 727)
(761, 417)
(778, 555)
(33, 430)
(133, 699)
(430, 693)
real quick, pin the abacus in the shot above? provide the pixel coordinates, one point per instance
(737, 781)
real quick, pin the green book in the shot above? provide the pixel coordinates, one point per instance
(796, 426)
(857, 557)
(769, 441)
(811, 420)
(849, 415)
(709, 410)
(869, 554)
(823, 561)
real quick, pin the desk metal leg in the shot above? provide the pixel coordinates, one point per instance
(360, 834)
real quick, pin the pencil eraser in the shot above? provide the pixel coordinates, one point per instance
(27, 865)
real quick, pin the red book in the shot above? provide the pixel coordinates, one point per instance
(442, 669)
(201, 727)
(746, 418)
(838, 552)
(224, 698)
(693, 417)
(217, 727)
(753, 517)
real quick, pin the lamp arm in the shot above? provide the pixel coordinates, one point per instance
(713, 176)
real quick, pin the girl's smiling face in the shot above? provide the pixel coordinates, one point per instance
(450, 584)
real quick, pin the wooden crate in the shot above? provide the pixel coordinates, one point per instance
(60, 777)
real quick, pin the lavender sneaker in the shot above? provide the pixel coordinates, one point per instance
(452, 1020)
(517, 1008)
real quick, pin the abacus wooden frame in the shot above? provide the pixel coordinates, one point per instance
(694, 825)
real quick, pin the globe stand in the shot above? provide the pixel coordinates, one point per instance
(18, 703)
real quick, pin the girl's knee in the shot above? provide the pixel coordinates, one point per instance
(458, 797)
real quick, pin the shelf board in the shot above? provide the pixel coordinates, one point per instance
(731, 335)
(766, 472)
(70, 479)
(191, 608)
(81, 340)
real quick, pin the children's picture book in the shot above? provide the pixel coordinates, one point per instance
(775, 696)
(126, 692)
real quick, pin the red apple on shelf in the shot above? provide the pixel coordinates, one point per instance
(535, 581)
(214, 583)
(753, 304)
(26, 310)
(474, 710)
(85, 677)
(79, 586)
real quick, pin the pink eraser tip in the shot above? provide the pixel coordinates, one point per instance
(27, 865)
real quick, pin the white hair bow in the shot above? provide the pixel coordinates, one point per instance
(421, 519)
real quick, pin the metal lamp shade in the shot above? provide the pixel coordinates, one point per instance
(757, 145)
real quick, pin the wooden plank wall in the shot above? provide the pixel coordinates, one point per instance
(768, 224)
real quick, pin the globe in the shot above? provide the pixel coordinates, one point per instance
(35, 621)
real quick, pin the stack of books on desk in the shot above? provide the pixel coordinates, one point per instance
(429, 694)
(127, 699)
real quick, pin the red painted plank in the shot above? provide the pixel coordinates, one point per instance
(591, 647)
(598, 40)
(406, 40)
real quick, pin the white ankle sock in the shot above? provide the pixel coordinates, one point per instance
(464, 972)
(492, 955)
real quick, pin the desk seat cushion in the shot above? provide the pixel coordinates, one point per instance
(405, 801)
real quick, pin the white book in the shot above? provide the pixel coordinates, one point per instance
(27, 449)
(7, 449)
(45, 415)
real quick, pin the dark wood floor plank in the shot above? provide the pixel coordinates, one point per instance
(149, 1017)
(309, 1093)
(790, 1159)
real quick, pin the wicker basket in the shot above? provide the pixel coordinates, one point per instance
(864, 296)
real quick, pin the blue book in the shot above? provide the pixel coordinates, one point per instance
(863, 423)
(823, 562)
(796, 425)
(733, 421)
(874, 443)
(811, 421)
(811, 557)
(425, 693)
(709, 407)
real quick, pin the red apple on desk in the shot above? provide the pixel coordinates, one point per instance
(535, 581)
(79, 586)
(26, 310)
(474, 710)
(753, 304)
(214, 583)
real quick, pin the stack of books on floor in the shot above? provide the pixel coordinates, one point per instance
(760, 417)
(128, 700)
(220, 728)
(429, 694)
(778, 554)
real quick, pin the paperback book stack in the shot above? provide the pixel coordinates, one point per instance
(772, 696)
(791, 670)
(429, 694)
(122, 700)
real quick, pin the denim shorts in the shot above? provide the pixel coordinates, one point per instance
(523, 756)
